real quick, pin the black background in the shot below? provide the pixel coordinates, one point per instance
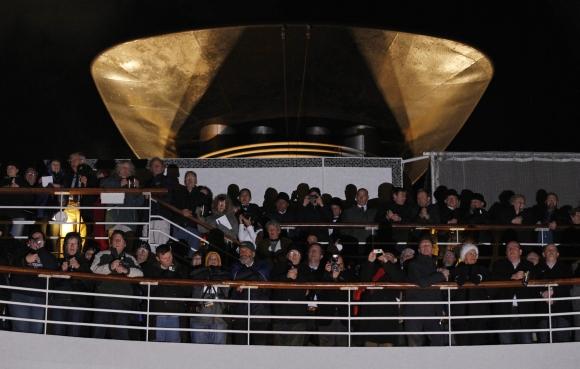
(50, 105)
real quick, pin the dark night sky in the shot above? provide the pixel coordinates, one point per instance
(50, 106)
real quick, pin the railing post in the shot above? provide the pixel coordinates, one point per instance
(148, 310)
(149, 225)
(46, 304)
(449, 314)
(349, 337)
(550, 311)
(249, 318)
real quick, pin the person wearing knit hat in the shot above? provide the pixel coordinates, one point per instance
(468, 247)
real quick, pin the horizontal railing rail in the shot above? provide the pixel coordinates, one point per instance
(281, 285)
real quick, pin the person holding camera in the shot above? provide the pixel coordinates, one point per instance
(82, 176)
(32, 255)
(249, 229)
(124, 177)
(335, 272)
(289, 271)
(114, 261)
(423, 271)
(381, 266)
(72, 261)
(165, 267)
(314, 211)
(250, 209)
(213, 272)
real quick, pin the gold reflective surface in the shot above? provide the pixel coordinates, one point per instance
(153, 87)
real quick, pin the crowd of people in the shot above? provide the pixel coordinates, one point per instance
(256, 247)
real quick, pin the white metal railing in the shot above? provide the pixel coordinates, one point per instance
(445, 303)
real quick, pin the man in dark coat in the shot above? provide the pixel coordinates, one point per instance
(249, 269)
(423, 271)
(553, 268)
(360, 213)
(426, 212)
(513, 267)
(166, 268)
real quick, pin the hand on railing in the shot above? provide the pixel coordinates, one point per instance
(445, 273)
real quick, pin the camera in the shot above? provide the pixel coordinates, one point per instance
(478, 211)
(131, 182)
(67, 260)
(378, 251)
(84, 170)
(334, 263)
(526, 278)
(209, 293)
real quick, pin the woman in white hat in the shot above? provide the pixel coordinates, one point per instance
(469, 270)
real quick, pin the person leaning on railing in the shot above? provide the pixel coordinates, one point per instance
(32, 255)
(212, 272)
(513, 267)
(334, 271)
(167, 268)
(72, 261)
(13, 179)
(423, 271)
(381, 266)
(553, 268)
(470, 270)
(160, 229)
(124, 177)
(114, 261)
(289, 271)
(191, 201)
(249, 269)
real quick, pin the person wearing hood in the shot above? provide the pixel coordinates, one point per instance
(211, 271)
(72, 261)
(145, 258)
(33, 255)
(114, 261)
(89, 251)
